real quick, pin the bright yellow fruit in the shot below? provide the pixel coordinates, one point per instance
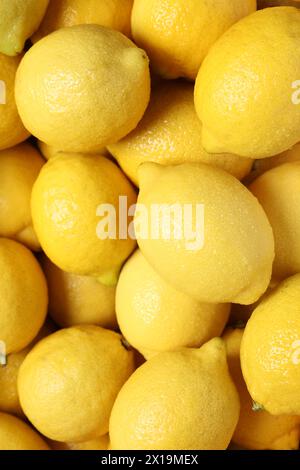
(257, 430)
(23, 296)
(270, 351)
(65, 200)
(147, 306)
(114, 14)
(249, 76)
(99, 443)
(12, 130)
(16, 435)
(265, 164)
(19, 19)
(19, 168)
(170, 133)
(177, 401)
(177, 34)
(234, 262)
(69, 381)
(277, 192)
(75, 300)
(92, 99)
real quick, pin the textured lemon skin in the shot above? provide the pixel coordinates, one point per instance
(147, 306)
(277, 192)
(12, 130)
(177, 34)
(16, 435)
(100, 443)
(76, 300)
(165, 405)
(235, 262)
(170, 133)
(114, 14)
(270, 350)
(23, 296)
(64, 204)
(69, 381)
(19, 168)
(82, 88)
(242, 85)
(19, 19)
(257, 430)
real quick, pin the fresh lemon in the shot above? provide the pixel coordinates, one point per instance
(277, 192)
(75, 300)
(249, 76)
(19, 168)
(257, 430)
(170, 133)
(23, 296)
(210, 237)
(147, 306)
(177, 34)
(82, 88)
(12, 130)
(114, 14)
(69, 381)
(177, 401)
(270, 351)
(65, 201)
(16, 435)
(19, 19)
(100, 443)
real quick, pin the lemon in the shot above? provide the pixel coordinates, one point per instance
(100, 443)
(270, 350)
(222, 253)
(9, 397)
(178, 400)
(12, 130)
(277, 191)
(23, 296)
(257, 430)
(177, 34)
(114, 14)
(265, 164)
(65, 201)
(75, 300)
(19, 19)
(249, 76)
(147, 306)
(170, 133)
(69, 381)
(82, 88)
(19, 168)
(16, 435)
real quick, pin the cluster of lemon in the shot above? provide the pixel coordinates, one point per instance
(164, 347)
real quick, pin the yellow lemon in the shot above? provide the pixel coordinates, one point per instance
(249, 76)
(82, 88)
(277, 192)
(12, 130)
(19, 19)
(69, 381)
(209, 237)
(99, 443)
(178, 400)
(75, 300)
(147, 306)
(177, 34)
(170, 133)
(257, 430)
(16, 435)
(19, 168)
(270, 351)
(65, 201)
(23, 296)
(114, 14)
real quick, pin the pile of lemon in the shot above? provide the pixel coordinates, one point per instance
(132, 339)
